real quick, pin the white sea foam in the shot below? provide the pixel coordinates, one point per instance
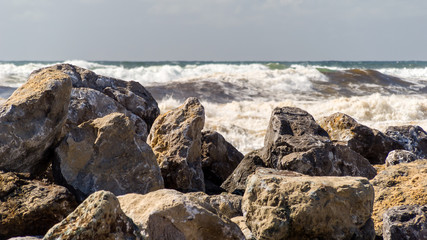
(244, 123)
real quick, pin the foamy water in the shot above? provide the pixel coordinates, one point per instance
(255, 89)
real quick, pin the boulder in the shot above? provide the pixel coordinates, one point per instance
(31, 120)
(87, 104)
(370, 143)
(402, 184)
(400, 156)
(224, 204)
(175, 138)
(31, 207)
(132, 95)
(412, 138)
(281, 206)
(236, 182)
(169, 214)
(290, 130)
(405, 222)
(219, 159)
(328, 160)
(106, 154)
(98, 217)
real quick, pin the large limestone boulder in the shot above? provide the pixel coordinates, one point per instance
(278, 206)
(219, 159)
(176, 141)
(106, 154)
(295, 142)
(236, 182)
(31, 207)
(31, 120)
(412, 138)
(405, 222)
(402, 184)
(169, 214)
(98, 217)
(132, 95)
(87, 104)
(370, 143)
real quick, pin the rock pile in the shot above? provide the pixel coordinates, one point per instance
(70, 136)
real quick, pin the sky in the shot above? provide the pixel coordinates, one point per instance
(216, 30)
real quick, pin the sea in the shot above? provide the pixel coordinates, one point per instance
(239, 96)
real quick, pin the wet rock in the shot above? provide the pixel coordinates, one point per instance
(402, 184)
(412, 138)
(405, 222)
(400, 156)
(370, 143)
(106, 154)
(290, 130)
(87, 104)
(329, 160)
(98, 217)
(31, 120)
(169, 214)
(279, 206)
(31, 207)
(224, 204)
(219, 159)
(176, 141)
(236, 182)
(132, 95)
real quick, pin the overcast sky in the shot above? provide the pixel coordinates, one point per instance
(221, 30)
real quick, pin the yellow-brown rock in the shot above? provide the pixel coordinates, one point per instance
(31, 207)
(98, 217)
(397, 185)
(168, 214)
(175, 138)
(279, 206)
(31, 120)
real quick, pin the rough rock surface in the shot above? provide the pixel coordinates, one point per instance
(278, 206)
(236, 182)
(98, 217)
(31, 207)
(328, 160)
(31, 120)
(370, 143)
(219, 159)
(224, 204)
(132, 95)
(27, 238)
(402, 184)
(169, 214)
(87, 104)
(405, 222)
(400, 156)
(290, 130)
(175, 138)
(105, 154)
(241, 222)
(412, 138)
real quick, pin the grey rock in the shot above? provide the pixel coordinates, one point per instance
(31, 120)
(400, 156)
(412, 138)
(98, 217)
(405, 222)
(175, 138)
(370, 143)
(219, 159)
(106, 154)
